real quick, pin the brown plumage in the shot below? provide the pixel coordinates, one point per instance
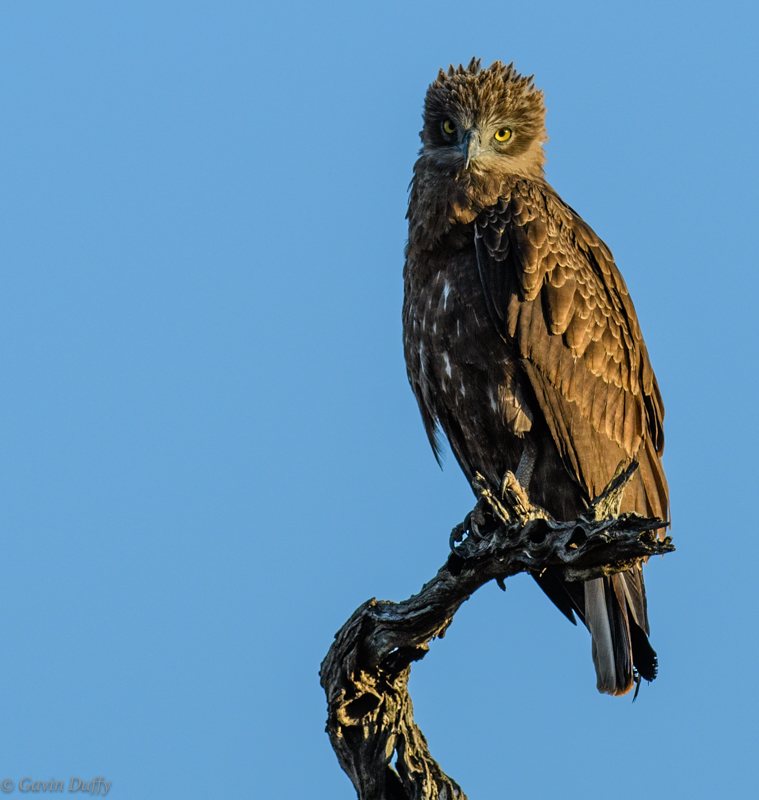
(521, 340)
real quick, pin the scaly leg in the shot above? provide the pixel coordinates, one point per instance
(527, 464)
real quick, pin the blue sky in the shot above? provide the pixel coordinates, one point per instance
(210, 453)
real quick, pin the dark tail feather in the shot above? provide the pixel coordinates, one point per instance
(644, 656)
(631, 585)
(620, 645)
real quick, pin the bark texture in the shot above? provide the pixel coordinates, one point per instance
(365, 673)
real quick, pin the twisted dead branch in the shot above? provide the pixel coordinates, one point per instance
(365, 673)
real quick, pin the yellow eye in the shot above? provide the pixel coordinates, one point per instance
(449, 127)
(502, 135)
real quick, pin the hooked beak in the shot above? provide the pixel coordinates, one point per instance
(470, 147)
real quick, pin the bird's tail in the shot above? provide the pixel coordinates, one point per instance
(615, 613)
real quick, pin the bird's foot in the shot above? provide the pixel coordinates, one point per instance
(475, 531)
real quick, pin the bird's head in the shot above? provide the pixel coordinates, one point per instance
(485, 122)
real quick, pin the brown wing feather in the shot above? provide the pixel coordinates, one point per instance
(556, 295)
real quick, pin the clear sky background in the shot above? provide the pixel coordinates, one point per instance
(210, 452)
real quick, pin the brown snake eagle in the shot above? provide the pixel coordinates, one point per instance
(521, 340)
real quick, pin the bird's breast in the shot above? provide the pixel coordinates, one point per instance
(464, 374)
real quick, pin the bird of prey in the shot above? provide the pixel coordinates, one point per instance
(521, 340)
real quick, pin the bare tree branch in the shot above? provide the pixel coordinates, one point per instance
(365, 673)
